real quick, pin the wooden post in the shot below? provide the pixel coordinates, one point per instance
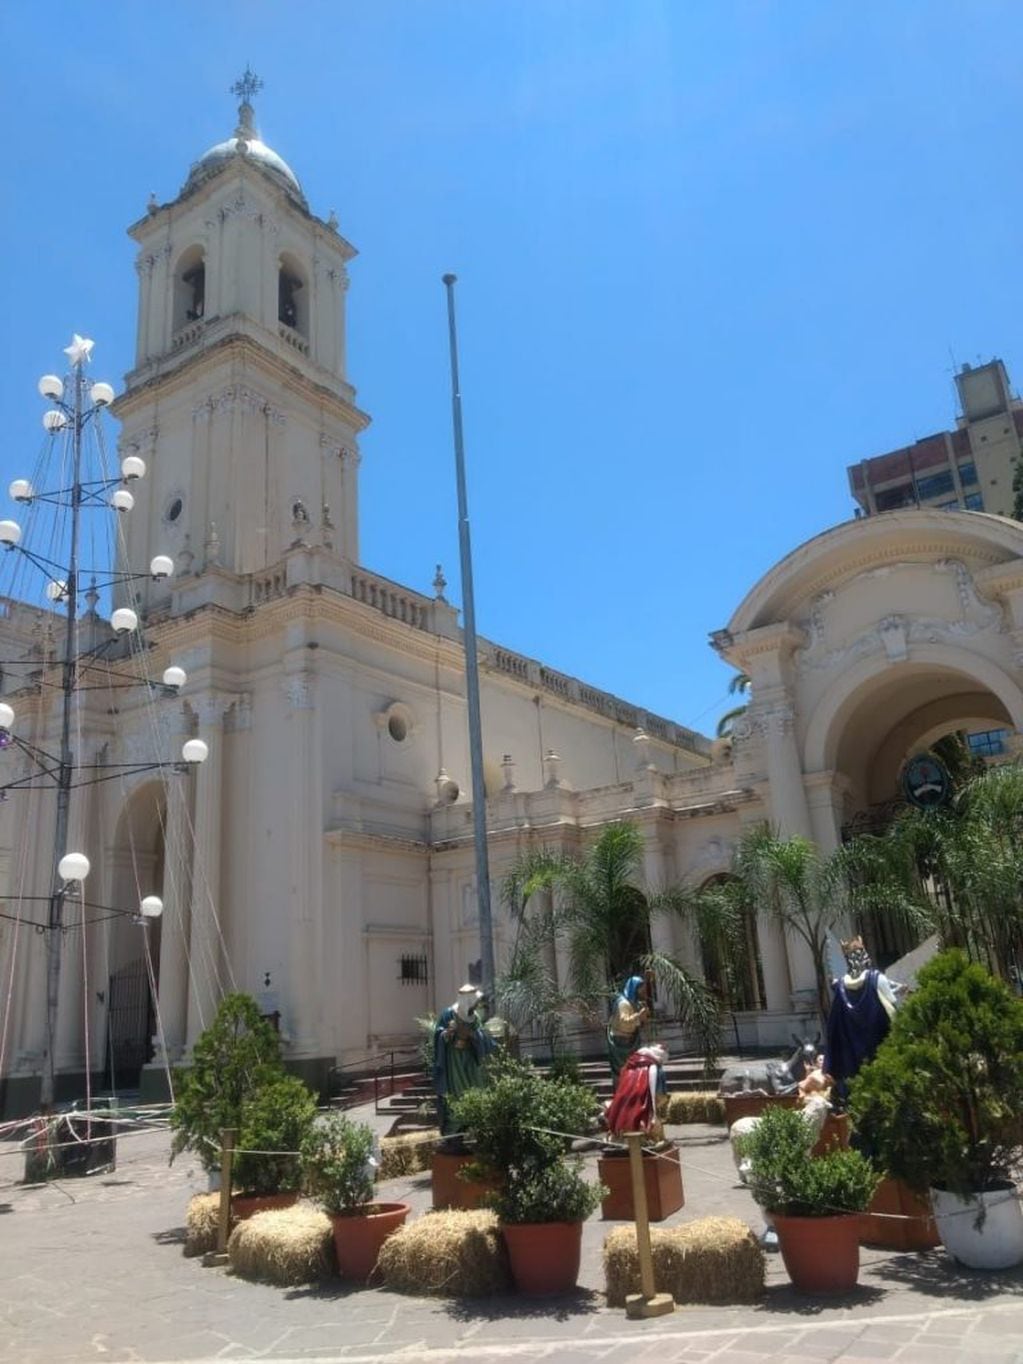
(219, 1256)
(647, 1302)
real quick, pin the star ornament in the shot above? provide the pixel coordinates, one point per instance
(80, 349)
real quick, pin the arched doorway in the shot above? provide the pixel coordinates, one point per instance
(133, 945)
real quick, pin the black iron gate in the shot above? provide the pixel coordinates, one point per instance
(129, 1025)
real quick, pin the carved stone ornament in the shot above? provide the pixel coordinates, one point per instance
(894, 633)
(239, 397)
(298, 691)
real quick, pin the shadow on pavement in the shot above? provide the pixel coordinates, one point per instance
(174, 1236)
(560, 1307)
(937, 1274)
(783, 1298)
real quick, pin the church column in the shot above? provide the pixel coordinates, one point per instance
(173, 984)
(204, 931)
(775, 717)
(304, 802)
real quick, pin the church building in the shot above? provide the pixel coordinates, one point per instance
(321, 857)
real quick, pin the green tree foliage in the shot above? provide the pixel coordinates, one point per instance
(521, 1127)
(278, 1117)
(236, 1056)
(336, 1158)
(599, 913)
(942, 1100)
(785, 1179)
(739, 685)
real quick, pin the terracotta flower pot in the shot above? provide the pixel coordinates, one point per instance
(544, 1255)
(358, 1236)
(821, 1254)
(244, 1206)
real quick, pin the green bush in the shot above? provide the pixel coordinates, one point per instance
(236, 1055)
(785, 1179)
(515, 1116)
(942, 1101)
(556, 1193)
(565, 1067)
(336, 1164)
(521, 1125)
(278, 1117)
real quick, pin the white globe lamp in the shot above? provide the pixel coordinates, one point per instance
(195, 751)
(73, 866)
(124, 619)
(21, 490)
(54, 420)
(122, 500)
(6, 715)
(133, 467)
(162, 566)
(151, 907)
(50, 386)
(10, 533)
(56, 590)
(101, 394)
(174, 677)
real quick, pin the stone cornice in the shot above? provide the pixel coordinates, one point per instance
(166, 375)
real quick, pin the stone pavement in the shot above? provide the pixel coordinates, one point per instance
(92, 1270)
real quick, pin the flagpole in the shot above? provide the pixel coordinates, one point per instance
(472, 675)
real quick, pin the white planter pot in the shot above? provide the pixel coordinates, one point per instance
(999, 1242)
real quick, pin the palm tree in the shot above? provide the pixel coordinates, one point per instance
(601, 914)
(807, 894)
(957, 871)
(738, 686)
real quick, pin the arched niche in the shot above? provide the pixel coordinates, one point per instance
(293, 294)
(189, 303)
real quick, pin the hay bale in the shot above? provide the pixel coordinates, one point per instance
(201, 1223)
(285, 1246)
(407, 1154)
(447, 1254)
(713, 1260)
(697, 1105)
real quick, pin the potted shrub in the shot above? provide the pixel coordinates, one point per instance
(814, 1201)
(941, 1103)
(339, 1166)
(515, 1123)
(232, 1060)
(278, 1117)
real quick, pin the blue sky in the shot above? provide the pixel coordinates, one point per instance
(709, 253)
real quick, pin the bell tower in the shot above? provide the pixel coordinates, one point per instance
(239, 400)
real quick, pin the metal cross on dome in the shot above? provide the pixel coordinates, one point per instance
(247, 85)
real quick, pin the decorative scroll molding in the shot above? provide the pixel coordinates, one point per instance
(894, 633)
(298, 691)
(242, 398)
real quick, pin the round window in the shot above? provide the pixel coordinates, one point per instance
(174, 509)
(397, 728)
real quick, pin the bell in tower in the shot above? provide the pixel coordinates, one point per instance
(239, 401)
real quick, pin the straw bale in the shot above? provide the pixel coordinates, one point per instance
(407, 1154)
(697, 1105)
(283, 1246)
(712, 1260)
(447, 1254)
(201, 1223)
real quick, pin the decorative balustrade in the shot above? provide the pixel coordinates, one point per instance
(188, 334)
(391, 600)
(265, 587)
(293, 338)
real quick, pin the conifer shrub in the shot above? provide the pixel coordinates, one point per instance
(942, 1101)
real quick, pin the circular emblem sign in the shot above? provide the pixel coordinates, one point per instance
(925, 781)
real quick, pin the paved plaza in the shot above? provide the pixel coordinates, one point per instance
(92, 1269)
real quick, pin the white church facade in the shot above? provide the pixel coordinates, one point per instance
(321, 858)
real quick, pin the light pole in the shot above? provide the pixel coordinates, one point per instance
(472, 672)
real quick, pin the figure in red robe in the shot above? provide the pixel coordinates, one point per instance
(634, 1106)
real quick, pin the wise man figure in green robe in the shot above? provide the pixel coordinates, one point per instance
(460, 1046)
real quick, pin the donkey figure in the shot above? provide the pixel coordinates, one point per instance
(772, 1077)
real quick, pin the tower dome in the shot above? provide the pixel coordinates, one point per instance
(245, 142)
